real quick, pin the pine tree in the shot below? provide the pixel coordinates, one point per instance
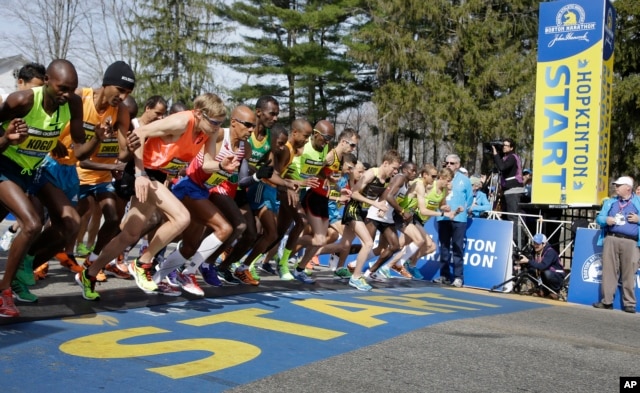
(175, 48)
(624, 151)
(457, 72)
(299, 47)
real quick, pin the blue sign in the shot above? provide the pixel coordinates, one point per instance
(487, 253)
(586, 271)
(569, 27)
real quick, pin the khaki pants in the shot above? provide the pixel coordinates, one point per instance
(619, 259)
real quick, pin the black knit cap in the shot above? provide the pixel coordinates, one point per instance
(119, 74)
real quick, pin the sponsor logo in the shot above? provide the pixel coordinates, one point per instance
(571, 25)
(592, 269)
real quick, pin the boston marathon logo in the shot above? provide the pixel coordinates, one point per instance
(592, 269)
(570, 25)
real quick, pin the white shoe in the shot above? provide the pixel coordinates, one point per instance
(374, 276)
(457, 283)
(188, 283)
(384, 272)
(7, 239)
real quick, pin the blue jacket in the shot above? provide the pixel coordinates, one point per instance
(461, 195)
(601, 218)
(482, 204)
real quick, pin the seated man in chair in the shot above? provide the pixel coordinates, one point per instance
(546, 262)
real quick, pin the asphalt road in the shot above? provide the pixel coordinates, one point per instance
(528, 345)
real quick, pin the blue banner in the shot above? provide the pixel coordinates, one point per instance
(487, 253)
(586, 271)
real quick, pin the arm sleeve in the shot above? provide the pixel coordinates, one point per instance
(245, 180)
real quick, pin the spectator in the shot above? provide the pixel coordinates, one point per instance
(510, 168)
(451, 232)
(545, 262)
(480, 202)
(618, 219)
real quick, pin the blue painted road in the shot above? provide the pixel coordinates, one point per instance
(224, 342)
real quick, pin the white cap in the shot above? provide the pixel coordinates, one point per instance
(624, 180)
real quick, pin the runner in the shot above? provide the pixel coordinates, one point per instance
(171, 143)
(31, 124)
(365, 194)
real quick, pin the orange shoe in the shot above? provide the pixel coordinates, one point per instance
(41, 271)
(245, 276)
(69, 261)
(100, 277)
(113, 270)
(402, 271)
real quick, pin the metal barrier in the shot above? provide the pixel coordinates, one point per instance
(560, 232)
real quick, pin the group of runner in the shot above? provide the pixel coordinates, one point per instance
(231, 196)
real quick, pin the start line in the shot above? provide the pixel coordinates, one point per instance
(222, 343)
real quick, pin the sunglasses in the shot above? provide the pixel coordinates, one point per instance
(434, 176)
(351, 144)
(214, 123)
(247, 124)
(448, 163)
(326, 137)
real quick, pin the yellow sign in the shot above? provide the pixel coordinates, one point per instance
(573, 102)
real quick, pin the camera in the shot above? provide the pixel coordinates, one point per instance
(518, 253)
(487, 146)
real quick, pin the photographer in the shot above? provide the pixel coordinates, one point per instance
(546, 262)
(510, 168)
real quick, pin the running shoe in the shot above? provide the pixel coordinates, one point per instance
(40, 273)
(227, 277)
(88, 286)
(100, 277)
(267, 268)
(360, 284)
(24, 272)
(303, 277)
(384, 271)
(254, 272)
(209, 273)
(414, 271)
(333, 262)
(188, 283)
(172, 279)
(7, 307)
(284, 273)
(7, 239)
(457, 283)
(244, 275)
(374, 276)
(167, 290)
(82, 250)
(342, 272)
(143, 275)
(113, 270)
(402, 271)
(69, 261)
(442, 280)
(21, 292)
